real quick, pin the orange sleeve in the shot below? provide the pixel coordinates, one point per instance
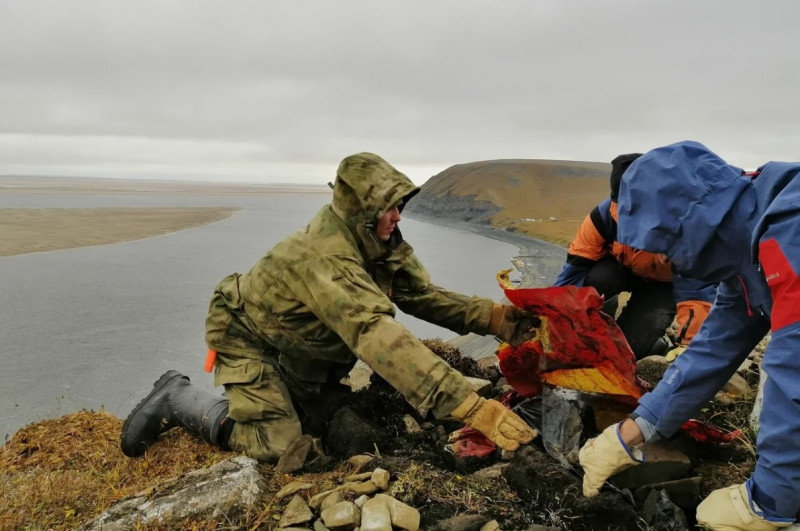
(588, 242)
(690, 317)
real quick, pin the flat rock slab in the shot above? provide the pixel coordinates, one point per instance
(227, 487)
(663, 462)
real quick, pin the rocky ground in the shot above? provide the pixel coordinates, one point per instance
(67, 472)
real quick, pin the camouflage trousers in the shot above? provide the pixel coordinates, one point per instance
(260, 403)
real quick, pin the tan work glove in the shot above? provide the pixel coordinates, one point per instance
(512, 324)
(729, 509)
(498, 423)
(604, 456)
(675, 352)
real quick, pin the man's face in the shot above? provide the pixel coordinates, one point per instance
(387, 223)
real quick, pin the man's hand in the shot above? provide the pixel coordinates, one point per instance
(602, 457)
(498, 423)
(730, 509)
(512, 324)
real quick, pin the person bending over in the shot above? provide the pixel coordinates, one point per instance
(287, 331)
(658, 295)
(741, 230)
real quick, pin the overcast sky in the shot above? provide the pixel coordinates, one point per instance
(281, 91)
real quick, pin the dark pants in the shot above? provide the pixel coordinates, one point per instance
(649, 311)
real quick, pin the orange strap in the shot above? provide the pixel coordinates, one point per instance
(211, 359)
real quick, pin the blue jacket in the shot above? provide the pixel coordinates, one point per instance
(718, 225)
(597, 238)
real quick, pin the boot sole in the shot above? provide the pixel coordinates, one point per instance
(165, 379)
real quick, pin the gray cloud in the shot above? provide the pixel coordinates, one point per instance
(281, 91)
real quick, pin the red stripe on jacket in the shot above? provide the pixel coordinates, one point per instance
(783, 282)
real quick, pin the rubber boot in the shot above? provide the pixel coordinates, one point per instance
(175, 402)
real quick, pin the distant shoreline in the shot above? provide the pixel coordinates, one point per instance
(19, 237)
(36, 184)
(527, 244)
(538, 260)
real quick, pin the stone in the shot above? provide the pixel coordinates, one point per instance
(380, 478)
(491, 525)
(491, 472)
(367, 487)
(412, 426)
(363, 476)
(319, 526)
(375, 516)
(403, 516)
(292, 488)
(361, 500)
(316, 500)
(360, 461)
(462, 522)
(663, 462)
(734, 389)
(344, 514)
(233, 485)
(335, 497)
(758, 403)
(296, 512)
(359, 376)
(295, 455)
(483, 387)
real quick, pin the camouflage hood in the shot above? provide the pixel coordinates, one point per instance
(366, 188)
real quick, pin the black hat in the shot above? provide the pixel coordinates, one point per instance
(618, 167)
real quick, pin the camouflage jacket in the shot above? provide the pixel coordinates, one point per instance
(325, 296)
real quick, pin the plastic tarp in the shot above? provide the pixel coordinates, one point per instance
(577, 345)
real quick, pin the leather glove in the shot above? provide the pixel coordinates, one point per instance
(512, 324)
(498, 423)
(729, 509)
(604, 456)
(675, 352)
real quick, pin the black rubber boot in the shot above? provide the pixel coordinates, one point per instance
(175, 402)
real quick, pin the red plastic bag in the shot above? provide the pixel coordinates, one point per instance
(577, 346)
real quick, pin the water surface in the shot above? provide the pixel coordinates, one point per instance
(93, 327)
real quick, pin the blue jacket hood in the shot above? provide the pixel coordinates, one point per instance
(684, 201)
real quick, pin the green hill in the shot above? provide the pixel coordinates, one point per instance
(544, 199)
